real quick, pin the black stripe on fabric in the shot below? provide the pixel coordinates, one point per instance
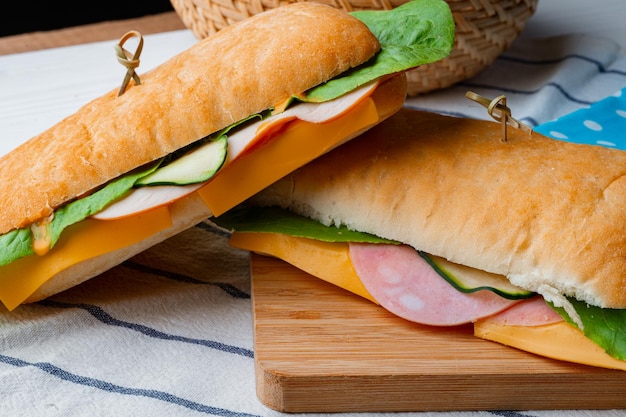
(526, 120)
(528, 92)
(227, 288)
(438, 111)
(558, 87)
(601, 68)
(118, 389)
(509, 414)
(109, 320)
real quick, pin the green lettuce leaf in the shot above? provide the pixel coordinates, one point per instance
(276, 220)
(14, 245)
(604, 326)
(19, 243)
(416, 33)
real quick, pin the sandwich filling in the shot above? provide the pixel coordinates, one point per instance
(216, 165)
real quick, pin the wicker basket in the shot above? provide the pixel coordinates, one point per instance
(484, 29)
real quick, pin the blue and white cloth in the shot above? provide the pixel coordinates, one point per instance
(169, 332)
(602, 123)
(543, 79)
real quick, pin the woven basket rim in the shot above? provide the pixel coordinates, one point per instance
(484, 29)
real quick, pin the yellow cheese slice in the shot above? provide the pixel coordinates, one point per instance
(559, 341)
(329, 261)
(84, 240)
(300, 143)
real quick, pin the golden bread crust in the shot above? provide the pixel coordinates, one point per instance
(540, 211)
(246, 68)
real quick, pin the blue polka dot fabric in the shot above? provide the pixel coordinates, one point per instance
(602, 123)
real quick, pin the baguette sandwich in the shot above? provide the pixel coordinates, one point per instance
(201, 133)
(443, 223)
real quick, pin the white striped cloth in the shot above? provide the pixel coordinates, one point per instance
(169, 332)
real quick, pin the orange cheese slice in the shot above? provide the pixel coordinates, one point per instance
(329, 261)
(559, 341)
(299, 144)
(81, 241)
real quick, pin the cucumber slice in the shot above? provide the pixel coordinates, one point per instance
(466, 279)
(198, 165)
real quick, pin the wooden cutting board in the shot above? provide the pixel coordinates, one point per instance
(319, 348)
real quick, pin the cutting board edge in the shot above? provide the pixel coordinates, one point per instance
(310, 393)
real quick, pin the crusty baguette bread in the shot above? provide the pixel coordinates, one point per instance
(241, 70)
(189, 211)
(547, 214)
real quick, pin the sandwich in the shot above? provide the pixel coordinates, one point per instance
(200, 133)
(442, 222)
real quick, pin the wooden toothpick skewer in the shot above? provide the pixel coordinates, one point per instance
(130, 61)
(498, 109)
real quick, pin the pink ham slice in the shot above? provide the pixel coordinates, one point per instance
(405, 284)
(143, 199)
(531, 312)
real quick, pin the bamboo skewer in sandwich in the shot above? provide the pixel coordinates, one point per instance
(200, 133)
